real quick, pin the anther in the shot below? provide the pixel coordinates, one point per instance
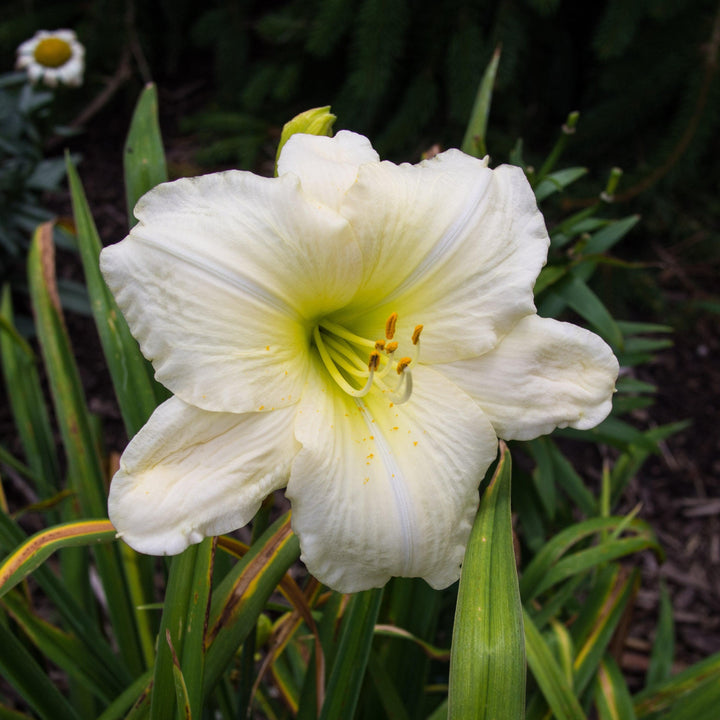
(390, 324)
(391, 347)
(402, 364)
(416, 334)
(374, 361)
(380, 345)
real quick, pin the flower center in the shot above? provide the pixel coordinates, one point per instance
(52, 52)
(356, 363)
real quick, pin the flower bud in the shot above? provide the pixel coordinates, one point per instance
(318, 121)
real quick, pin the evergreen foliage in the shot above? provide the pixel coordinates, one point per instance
(642, 73)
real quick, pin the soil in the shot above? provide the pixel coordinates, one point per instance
(679, 489)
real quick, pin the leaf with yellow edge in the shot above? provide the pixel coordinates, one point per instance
(33, 553)
(612, 697)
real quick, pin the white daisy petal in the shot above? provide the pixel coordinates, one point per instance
(544, 374)
(327, 167)
(219, 282)
(380, 489)
(449, 244)
(189, 474)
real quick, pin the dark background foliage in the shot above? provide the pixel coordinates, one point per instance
(643, 73)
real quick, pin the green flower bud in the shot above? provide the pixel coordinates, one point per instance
(318, 121)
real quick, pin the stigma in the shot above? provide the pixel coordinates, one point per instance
(358, 364)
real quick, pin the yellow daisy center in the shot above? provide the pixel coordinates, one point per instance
(52, 52)
(357, 364)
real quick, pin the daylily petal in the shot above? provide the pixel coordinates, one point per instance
(449, 244)
(189, 474)
(544, 374)
(220, 280)
(379, 490)
(327, 167)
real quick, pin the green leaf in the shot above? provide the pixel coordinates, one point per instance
(558, 181)
(604, 239)
(22, 671)
(330, 618)
(694, 684)
(663, 651)
(181, 691)
(63, 649)
(627, 465)
(387, 692)
(129, 371)
(72, 614)
(84, 466)
(120, 706)
(240, 598)
(352, 656)
(487, 663)
(571, 483)
(587, 304)
(543, 475)
(411, 609)
(676, 689)
(599, 618)
(27, 402)
(193, 651)
(550, 566)
(144, 157)
(551, 680)
(474, 142)
(549, 275)
(178, 597)
(612, 697)
(33, 553)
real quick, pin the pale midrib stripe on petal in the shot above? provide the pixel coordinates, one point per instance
(234, 279)
(398, 485)
(440, 248)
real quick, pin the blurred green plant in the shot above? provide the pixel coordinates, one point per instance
(25, 173)
(221, 643)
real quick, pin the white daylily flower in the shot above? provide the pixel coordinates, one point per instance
(52, 57)
(287, 316)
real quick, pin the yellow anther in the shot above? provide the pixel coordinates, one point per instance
(402, 364)
(374, 361)
(380, 345)
(390, 324)
(416, 334)
(391, 347)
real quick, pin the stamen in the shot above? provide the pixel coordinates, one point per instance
(390, 324)
(402, 364)
(331, 367)
(342, 353)
(340, 331)
(405, 378)
(343, 348)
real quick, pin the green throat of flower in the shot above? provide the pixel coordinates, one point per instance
(358, 364)
(52, 52)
